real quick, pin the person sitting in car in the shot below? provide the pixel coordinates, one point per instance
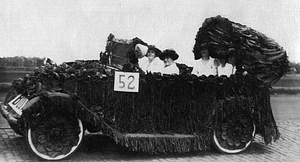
(168, 56)
(151, 62)
(206, 65)
(224, 68)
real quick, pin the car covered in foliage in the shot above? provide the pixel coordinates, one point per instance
(153, 113)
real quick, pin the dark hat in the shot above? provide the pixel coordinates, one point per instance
(156, 50)
(169, 53)
(204, 46)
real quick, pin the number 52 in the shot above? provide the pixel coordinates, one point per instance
(126, 81)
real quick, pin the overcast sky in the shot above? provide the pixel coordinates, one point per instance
(66, 30)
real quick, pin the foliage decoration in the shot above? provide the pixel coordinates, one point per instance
(253, 51)
(169, 104)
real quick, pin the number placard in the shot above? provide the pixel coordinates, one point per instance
(126, 81)
(18, 103)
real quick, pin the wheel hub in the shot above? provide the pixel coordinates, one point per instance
(56, 133)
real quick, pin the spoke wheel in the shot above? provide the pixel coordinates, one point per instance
(56, 137)
(234, 134)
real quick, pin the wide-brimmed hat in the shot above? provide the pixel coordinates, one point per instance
(169, 53)
(140, 50)
(156, 50)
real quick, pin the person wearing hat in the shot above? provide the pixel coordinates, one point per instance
(206, 65)
(140, 50)
(169, 56)
(225, 68)
(151, 63)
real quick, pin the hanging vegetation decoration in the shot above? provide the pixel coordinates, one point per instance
(253, 51)
(179, 104)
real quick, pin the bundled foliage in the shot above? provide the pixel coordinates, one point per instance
(179, 104)
(253, 51)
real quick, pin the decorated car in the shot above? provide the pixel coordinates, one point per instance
(149, 112)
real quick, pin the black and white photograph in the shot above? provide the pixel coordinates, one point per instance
(150, 81)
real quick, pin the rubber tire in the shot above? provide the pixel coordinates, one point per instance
(222, 149)
(42, 156)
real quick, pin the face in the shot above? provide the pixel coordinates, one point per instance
(231, 60)
(204, 53)
(222, 61)
(168, 61)
(151, 54)
(138, 53)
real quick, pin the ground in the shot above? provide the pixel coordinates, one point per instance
(97, 147)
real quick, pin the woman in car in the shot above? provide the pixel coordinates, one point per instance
(168, 56)
(206, 65)
(151, 63)
(225, 68)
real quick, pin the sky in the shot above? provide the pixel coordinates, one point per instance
(68, 30)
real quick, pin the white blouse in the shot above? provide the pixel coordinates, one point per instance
(155, 66)
(206, 67)
(172, 69)
(227, 70)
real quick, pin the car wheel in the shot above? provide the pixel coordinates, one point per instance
(234, 134)
(55, 137)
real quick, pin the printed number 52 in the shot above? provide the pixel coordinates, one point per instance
(126, 81)
(130, 79)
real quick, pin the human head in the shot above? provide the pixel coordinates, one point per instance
(168, 61)
(140, 50)
(222, 61)
(169, 56)
(153, 52)
(204, 51)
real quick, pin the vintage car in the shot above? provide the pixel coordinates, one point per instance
(153, 113)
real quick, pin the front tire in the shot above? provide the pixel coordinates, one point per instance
(56, 137)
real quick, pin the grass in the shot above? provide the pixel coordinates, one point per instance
(4, 87)
(289, 84)
(289, 81)
(285, 90)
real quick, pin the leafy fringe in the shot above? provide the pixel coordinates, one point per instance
(160, 144)
(183, 104)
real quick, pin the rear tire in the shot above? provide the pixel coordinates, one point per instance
(234, 134)
(56, 137)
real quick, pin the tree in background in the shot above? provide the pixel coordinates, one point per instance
(295, 68)
(18, 62)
